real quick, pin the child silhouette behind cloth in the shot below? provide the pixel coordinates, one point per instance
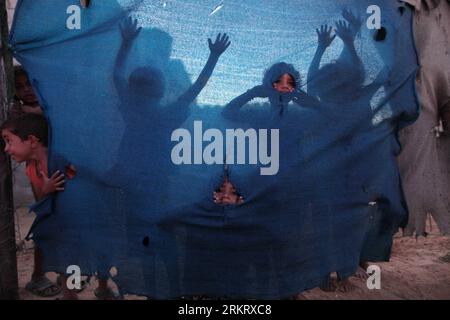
(140, 105)
(281, 85)
(26, 140)
(340, 83)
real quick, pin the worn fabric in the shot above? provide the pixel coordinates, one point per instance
(141, 117)
(425, 160)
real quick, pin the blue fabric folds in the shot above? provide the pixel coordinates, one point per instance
(140, 103)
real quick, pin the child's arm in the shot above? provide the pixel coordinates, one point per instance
(217, 48)
(305, 100)
(344, 31)
(355, 22)
(233, 107)
(347, 31)
(324, 40)
(129, 32)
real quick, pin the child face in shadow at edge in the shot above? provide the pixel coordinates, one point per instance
(25, 93)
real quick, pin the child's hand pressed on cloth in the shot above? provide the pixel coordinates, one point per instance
(324, 36)
(345, 32)
(53, 184)
(129, 30)
(220, 45)
(354, 21)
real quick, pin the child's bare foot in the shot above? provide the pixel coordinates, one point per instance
(105, 294)
(361, 273)
(345, 286)
(329, 286)
(68, 294)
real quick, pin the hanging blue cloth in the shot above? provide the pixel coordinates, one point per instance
(160, 106)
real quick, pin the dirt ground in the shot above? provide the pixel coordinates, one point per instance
(414, 272)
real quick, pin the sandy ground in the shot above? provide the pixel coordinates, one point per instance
(414, 272)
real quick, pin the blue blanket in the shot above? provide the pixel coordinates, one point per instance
(154, 117)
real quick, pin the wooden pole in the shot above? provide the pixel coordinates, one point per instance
(9, 289)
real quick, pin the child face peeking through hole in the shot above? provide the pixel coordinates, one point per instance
(285, 84)
(227, 195)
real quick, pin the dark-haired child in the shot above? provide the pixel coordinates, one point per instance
(25, 100)
(26, 140)
(281, 85)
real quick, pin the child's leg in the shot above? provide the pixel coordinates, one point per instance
(103, 292)
(361, 273)
(328, 284)
(102, 284)
(68, 294)
(40, 285)
(38, 271)
(344, 284)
